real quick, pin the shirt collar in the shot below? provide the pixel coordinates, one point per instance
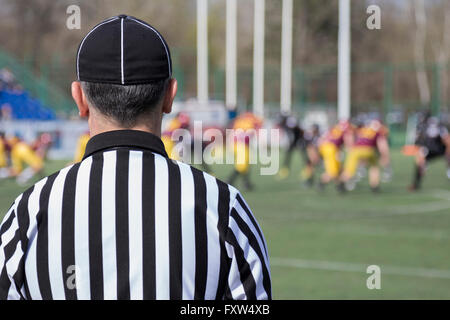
(124, 138)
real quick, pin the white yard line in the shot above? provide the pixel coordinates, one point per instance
(424, 208)
(360, 268)
(417, 209)
(379, 232)
(442, 194)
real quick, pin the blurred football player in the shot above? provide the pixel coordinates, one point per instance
(371, 147)
(311, 138)
(42, 144)
(4, 171)
(245, 126)
(22, 154)
(296, 142)
(180, 121)
(81, 147)
(433, 141)
(330, 147)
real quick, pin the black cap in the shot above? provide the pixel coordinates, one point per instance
(123, 50)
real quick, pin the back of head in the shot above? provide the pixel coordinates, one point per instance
(126, 105)
(124, 67)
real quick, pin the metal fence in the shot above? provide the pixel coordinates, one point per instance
(388, 89)
(43, 87)
(375, 87)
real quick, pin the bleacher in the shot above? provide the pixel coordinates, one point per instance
(24, 107)
(42, 97)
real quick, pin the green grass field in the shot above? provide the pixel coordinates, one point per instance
(320, 244)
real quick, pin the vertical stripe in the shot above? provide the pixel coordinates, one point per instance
(82, 273)
(235, 288)
(122, 232)
(233, 193)
(252, 254)
(162, 229)
(55, 235)
(228, 295)
(23, 217)
(68, 233)
(7, 219)
(246, 277)
(95, 228)
(148, 225)
(108, 198)
(250, 216)
(175, 245)
(8, 222)
(42, 241)
(9, 226)
(15, 270)
(13, 255)
(19, 277)
(30, 262)
(222, 226)
(212, 219)
(201, 241)
(9, 240)
(250, 228)
(188, 230)
(24, 222)
(135, 223)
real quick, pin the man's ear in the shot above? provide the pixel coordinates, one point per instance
(171, 92)
(80, 99)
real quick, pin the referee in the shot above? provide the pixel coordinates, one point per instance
(127, 222)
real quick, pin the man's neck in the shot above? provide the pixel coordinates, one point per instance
(97, 128)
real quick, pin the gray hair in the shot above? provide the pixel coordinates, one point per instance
(125, 104)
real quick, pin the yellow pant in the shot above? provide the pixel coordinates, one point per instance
(241, 157)
(330, 155)
(3, 162)
(356, 155)
(22, 153)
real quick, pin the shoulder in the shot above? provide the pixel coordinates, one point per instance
(224, 189)
(41, 188)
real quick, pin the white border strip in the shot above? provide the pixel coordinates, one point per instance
(82, 42)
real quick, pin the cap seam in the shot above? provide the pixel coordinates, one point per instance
(121, 51)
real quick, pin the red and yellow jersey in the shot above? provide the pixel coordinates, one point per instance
(368, 135)
(337, 134)
(246, 121)
(181, 121)
(246, 124)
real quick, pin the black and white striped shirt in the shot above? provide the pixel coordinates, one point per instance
(129, 223)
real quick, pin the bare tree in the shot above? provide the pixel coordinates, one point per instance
(441, 48)
(419, 51)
